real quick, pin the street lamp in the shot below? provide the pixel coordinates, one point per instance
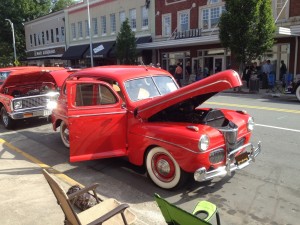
(14, 42)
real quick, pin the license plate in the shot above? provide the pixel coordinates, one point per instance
(47, 112)
(241, 158)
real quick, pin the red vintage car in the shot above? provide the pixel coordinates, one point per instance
(27, 92)
(141, 113)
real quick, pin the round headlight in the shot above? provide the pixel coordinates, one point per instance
(203, 143)
(251, 124)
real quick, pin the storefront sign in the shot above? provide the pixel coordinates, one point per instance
(46, 52)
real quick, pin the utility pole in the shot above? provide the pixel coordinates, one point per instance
(89, 21)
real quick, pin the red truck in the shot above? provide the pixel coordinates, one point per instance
(27, 92)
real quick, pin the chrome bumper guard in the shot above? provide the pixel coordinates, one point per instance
(202, 174)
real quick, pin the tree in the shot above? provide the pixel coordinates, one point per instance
(247, 28)
(61, 4)
(125, 44)
(18, 11)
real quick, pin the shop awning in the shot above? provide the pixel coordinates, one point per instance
(209, 39)
(141, 40)
(75, 52)
(101, 49)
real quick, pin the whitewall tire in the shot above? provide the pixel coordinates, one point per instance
(64, 134)
(163, 170)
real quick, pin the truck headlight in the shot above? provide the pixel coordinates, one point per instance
(250, 124)
(18, 104)
(51, 105)
(203, 142)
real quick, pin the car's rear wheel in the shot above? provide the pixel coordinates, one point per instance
(163, 170)
(64, 134)
(298, 93)
(7, 122)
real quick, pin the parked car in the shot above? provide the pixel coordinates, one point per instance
(29, 92)
(141, 113)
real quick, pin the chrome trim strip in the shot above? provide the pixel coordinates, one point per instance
(167, 142)
(96, 114)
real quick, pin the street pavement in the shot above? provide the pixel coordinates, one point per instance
(25, 196)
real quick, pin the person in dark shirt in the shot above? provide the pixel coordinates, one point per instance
(283, 70)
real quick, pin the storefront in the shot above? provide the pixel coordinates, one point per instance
(46, 57)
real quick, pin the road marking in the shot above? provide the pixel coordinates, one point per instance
(255, 107)
(53, 171)
(280, 128)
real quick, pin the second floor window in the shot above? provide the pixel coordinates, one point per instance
(47, 36)
(95, 26)
(80, 35)
(62, 32)
(57, 34)
(166, 25)
(103, 25)
(34, 35)
(132, 18)
(145, 19)
(281, 9)
(73, 30)
(113, 23)
(30, 40)
(211, 17)
(52, 36)
(43, 37)
(87, 29)
(122, 17)
(184, 21)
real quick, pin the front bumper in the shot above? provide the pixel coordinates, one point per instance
(202, 174)
(30, 113)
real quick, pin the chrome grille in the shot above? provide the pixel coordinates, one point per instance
(34, 101)
(217, 156)
(230, 135)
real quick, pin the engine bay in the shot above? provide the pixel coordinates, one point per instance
(188, 112)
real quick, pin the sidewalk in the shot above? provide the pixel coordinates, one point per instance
(25, 196)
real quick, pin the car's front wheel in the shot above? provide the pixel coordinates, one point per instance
(298, 93)
(7, 122)
(163, 170)
(64, 134)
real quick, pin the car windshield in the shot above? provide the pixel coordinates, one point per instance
(3, 76)
(149, 87)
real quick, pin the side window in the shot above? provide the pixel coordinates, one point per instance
(106, 96)
(94, 94)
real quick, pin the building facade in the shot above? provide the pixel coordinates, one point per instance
(104, 18)
(167, 32)
(45, 40)
(187, 32)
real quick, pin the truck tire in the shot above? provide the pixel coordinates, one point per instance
(7, 122)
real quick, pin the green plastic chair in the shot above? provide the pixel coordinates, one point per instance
(202, 214)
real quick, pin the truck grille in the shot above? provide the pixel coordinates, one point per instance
(34, 101)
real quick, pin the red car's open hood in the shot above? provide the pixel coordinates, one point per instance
(199, 91)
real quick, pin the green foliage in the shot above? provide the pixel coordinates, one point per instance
(61, 4)
(125, 45)
(18, 11)
(247, 28)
